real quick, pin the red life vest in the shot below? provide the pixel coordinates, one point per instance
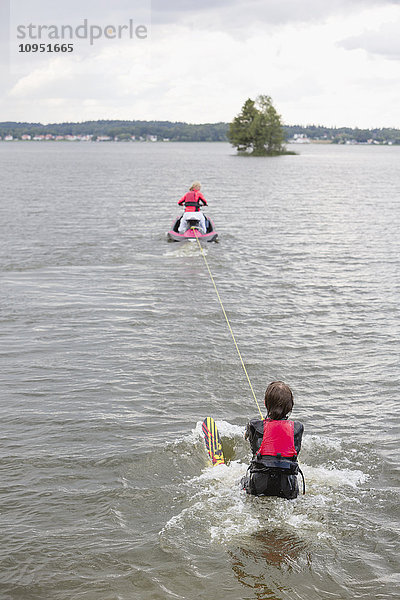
(192, 203)
(278, 438)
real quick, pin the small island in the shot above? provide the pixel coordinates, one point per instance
(257, 130)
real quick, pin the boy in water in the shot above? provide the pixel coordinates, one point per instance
(275, 443)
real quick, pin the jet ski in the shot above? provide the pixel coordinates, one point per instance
(192, 232)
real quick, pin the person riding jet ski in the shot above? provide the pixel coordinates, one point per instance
(275, 443)
(192, 201)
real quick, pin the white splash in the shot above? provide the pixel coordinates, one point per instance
(335, 478)
(225, 429)
(218, 510)
(216, 492)
(229, 430)
(310, 442)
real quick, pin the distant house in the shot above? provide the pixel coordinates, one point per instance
(152, 138)
(103, 138)
(300, 138)
(59, 137)
(8, 138)
(26, 137)
(38, 138)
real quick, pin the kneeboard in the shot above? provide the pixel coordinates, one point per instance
(213, 441)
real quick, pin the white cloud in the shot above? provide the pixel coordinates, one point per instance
(383, 41)
(239, 15)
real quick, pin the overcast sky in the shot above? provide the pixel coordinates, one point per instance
(335, 63)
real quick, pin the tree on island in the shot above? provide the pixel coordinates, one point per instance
(258, 128)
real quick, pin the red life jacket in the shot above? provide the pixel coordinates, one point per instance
(278, 438)
(192, 202)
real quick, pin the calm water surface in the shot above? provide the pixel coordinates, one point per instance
(114, 348)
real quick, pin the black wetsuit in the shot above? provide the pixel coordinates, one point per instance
(269, 475)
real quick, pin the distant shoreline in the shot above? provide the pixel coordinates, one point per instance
(288, 153)
(168, 131)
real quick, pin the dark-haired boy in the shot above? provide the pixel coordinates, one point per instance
(275, 443)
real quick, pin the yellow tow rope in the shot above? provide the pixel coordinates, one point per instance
(227, 320)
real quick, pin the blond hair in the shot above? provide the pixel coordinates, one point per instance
(196, 185)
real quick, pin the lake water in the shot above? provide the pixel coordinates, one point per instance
(114, 348)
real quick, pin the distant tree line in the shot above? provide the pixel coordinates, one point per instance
(342, 135)
(185, 132)
(180, 132)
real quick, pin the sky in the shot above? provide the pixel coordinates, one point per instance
(333, 63)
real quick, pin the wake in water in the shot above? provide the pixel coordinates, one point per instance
(217, 510)
(183, 250)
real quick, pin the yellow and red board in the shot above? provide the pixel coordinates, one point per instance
(213, 441)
